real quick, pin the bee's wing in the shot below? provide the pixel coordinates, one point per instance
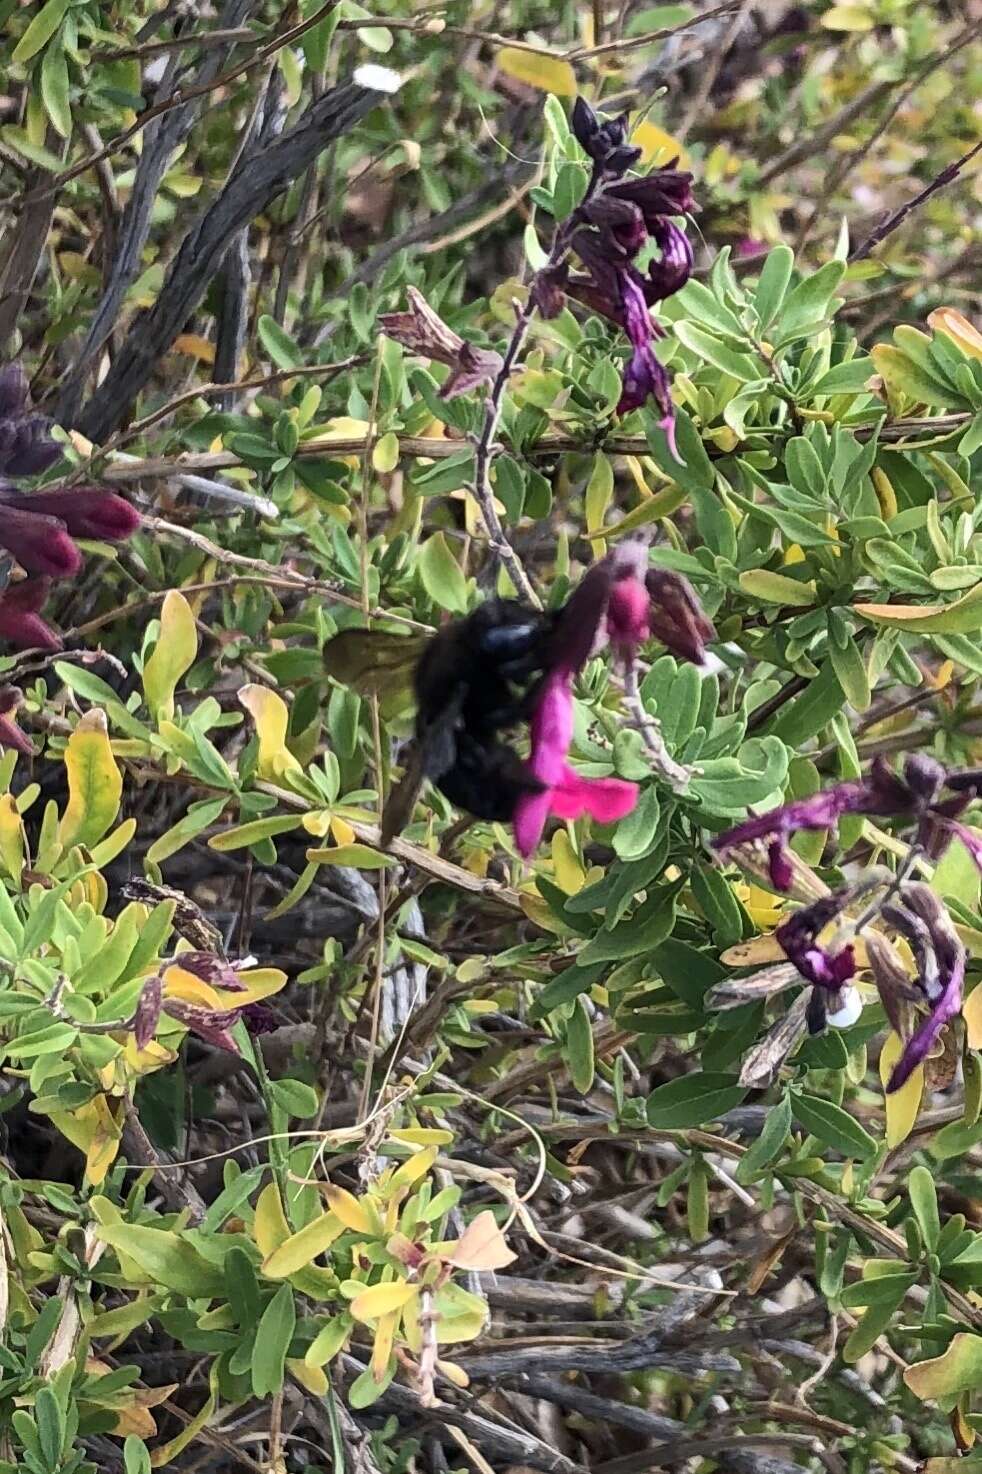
(376, 663)
(431, 755)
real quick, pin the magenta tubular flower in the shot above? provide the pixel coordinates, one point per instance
(615, 222)
(916, 794)
(798, 936)
(10, 733)
(20, 622)
(85, 511)
(615, 600)
(40, 544)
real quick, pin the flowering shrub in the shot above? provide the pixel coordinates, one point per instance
(490, 809)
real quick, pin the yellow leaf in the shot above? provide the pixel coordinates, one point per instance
(341, 831)
(135, 1421)
(453, 1373)
(270, 714)
(347, 1207)
(956, 326)
(382, 1300)
(570, 876)
(358, 856)
(958, 1370)
(848, 18)
(318, 822)
(189, 989)
(385, 456)
(482, 1245)
(903, 1105)
(194, 346)
(270, 1228)
(11, 837)
(548, 73)
(972, 1014)
(657, 146)
(104, 1146)
(754, 953)
(257, 983)
(424, 1135)
(382, 1346)
(95, 784)
(313, 1378)
(416, 1167)
(174, 653)
(328, 1341)
(302, 1248)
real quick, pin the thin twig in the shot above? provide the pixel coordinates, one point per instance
(676, 775)
(891, 222)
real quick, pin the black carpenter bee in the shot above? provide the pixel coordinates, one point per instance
(472, 680)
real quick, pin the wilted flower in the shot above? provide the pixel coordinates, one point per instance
(939, 953)
(10, 733)
(211, 968)
(148, 1010)
(210, 1024)
(917, 794)
(422, 331)
(616, 220)
(615, 601)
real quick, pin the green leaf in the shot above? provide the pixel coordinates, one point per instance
(845, 378)
(692, 1100)
(696, 474)
(850, 670)
(441, 574)
(273, 1342)
(198, 817)
(882, 1289)
(251, 833)
(810, 711)
(869, 1330)
(924, 1201)
(278, 344)
(833, 1126)
(768, 1145)
(775, 588)
(579, 1047)
(166, 1258)
(41, 29)
(773, 283)
(807, 304)
(54, 90)
(738, 365)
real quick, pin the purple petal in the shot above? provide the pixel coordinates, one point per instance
(40, 544)
(86, 511)
(677, 617)
(148, 1010)
(20, 622)
(604, 799)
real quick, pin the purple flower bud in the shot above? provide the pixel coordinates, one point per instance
(20, 623)
(86, 511)
(40, 544)
(26, 447)
(10, 734)
(259, 1019)
(604, 142)
(148, 1010)
(892, 982)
